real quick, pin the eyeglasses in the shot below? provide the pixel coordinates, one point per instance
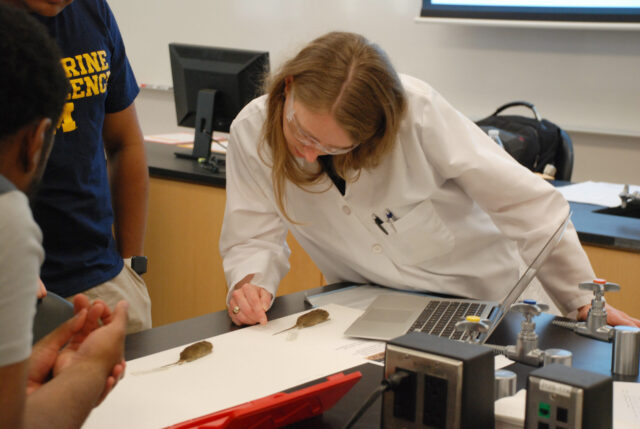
(305, 139)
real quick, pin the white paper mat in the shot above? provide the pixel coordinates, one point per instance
(245, 365)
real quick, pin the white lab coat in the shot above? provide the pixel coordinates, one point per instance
(468, 215)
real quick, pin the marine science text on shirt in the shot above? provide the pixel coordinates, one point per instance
(88, 75)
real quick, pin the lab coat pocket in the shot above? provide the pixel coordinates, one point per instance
(420, 236)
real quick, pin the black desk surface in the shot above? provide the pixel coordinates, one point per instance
(604, 229)
(164, 164)
(588, 354)
(593, 228)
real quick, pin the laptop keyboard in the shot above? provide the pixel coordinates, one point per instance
(440, 317)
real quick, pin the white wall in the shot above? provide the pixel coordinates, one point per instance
(587, 81)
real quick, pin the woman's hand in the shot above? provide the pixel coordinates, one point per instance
(248, 303)
(615, 317)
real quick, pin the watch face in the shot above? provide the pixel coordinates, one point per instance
(139, 264)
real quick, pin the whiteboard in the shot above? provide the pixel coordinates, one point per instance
(582, 79)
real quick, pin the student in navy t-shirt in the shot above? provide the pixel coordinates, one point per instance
(97, 175)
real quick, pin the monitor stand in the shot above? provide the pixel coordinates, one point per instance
(203, 126)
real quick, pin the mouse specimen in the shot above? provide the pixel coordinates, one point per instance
(311, 318)
(193, 352)
(189, 354)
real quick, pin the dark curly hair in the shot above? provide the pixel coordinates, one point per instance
(33, 84)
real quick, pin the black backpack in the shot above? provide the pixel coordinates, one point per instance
(533, 142)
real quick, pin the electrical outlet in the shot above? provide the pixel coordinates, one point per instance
(404, 405)
(434, 407)
(568, 398)
(450, 384)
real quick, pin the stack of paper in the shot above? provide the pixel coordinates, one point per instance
(598, 193)
(173, 138)
(185, 140)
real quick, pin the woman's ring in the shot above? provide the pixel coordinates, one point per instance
(236, 310)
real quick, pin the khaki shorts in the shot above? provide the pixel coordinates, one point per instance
(128, 286)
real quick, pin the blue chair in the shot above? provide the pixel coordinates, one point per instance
(51, 312)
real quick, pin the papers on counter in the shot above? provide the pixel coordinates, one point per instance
(173, 138)
(510, 411)
(626, 405)
(501, 361)
(599, 193)
(185, 139)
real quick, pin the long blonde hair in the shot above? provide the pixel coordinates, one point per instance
(346, 75)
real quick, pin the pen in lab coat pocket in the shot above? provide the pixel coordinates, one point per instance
(390, 218)
(379, 222)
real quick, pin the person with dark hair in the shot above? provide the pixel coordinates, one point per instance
(86, 197)
(382, 181)
(78, 363)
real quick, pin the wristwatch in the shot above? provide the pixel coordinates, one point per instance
(139, 264)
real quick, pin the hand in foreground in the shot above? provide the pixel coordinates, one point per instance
(251, 303)
(104, 346)
(98, 314)
(45, 352)
(48, 354)
(615, 317)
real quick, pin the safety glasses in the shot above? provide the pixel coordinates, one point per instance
(304, 138)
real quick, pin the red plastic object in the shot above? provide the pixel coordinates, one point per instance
(279, 409)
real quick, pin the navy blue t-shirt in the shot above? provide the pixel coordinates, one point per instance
(73, 204)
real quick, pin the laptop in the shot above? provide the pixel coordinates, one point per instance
(392, 315)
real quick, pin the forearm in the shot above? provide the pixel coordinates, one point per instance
(253, 236)
(130, 188)
(564, 270)
(66, 400)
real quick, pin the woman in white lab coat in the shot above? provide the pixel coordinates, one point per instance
(382, 181)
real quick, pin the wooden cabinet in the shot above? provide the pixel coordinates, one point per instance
(185, 276)
(622, 267)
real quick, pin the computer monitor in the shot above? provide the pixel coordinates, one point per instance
(211, 85)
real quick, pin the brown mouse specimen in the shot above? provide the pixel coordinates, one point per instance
(193, 352)
(311, 318)
(189, 354)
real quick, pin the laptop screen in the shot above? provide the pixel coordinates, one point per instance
(530, 273)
